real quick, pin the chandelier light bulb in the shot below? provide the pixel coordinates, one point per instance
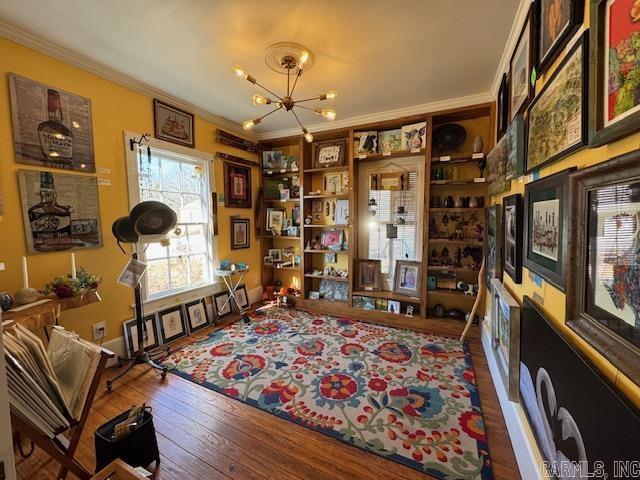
(332, 94)
(238, 72)
(327, 113)
(307, 136)
(249, 124)
(304, 58)
(260, 100)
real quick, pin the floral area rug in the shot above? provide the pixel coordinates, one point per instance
(407, 396)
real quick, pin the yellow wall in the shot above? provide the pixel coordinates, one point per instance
(115, 109)
(554, 300)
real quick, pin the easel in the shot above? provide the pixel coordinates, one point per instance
(63, 448)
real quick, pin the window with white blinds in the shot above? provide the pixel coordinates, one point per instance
(408, 242)
(182, 182)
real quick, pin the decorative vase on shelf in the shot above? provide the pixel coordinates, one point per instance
(478, 145)
(482, 163)
(448, 201)
(459, 202)
(473, 202)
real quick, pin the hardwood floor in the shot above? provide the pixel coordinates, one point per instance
(205, 435)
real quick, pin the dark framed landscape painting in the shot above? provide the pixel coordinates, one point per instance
(557, 21)
(614, 91)
(545, 223)
(597, 429)
(557, 118)
(512, 236)
(603, 294)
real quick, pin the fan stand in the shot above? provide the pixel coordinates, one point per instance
(141, 356)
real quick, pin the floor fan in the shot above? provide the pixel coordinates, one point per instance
(148, 222)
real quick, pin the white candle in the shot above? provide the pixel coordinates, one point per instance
(73, 266)
(25, 273)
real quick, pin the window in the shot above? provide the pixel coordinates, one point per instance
(182, 182)
(376, 219)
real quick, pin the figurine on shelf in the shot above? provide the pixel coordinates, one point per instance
(482, 163)
(317, 245)
(477, 231)
(307, 220)
(308, 245)
(478, 145)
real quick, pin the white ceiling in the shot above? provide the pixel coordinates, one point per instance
(378, 54)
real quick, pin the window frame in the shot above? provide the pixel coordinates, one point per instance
(133, 184)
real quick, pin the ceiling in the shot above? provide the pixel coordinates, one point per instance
(378, 54)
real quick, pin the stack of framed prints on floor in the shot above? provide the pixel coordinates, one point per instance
(170, 324)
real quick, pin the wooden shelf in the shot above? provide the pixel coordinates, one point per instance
(456, 159)
(277, 173)
(450, 293)
(25, 314)
(442, 268)
(335, 227)
(297, 269)
(458, 182)
(328, 277)
(327, 195)
(281, 236)
(456, 210)
(326, 251)
(341, 168)
(457, 242)
(388, 295)
(320, 301)
(291, 200)
(380, 156)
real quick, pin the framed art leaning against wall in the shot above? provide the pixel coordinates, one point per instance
(603, 294)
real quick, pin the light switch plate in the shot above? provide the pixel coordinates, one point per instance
(2, 267)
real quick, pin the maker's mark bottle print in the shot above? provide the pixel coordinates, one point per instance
(56, 139)
(50, 222)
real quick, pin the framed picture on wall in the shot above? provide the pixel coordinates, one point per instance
(506, 160)
(493, 265)
(505, 333)
(60, 211)
(502, 107)
(512, 220)
(407, 279)
(369, 275)
(173, 124)
(521, 91)
(557, 118)
(150, 335)
(197, 314)
(545, 227)
(331, 153)
(237, 186)
(172, 324)
(51, 127)
(614, 101)
(557, 22)
(239, 233)
(603, 291)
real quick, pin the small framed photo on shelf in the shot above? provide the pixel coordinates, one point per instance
(150, 335)
(173, 124)
(342, 212)
(197, 315)
(273, 160)
(222, 305)
(268, 260)
(332, 239)
(331, 153)
(172, 324)
(285, 194)
(393, 306)
(275, 221)
(333, 182)
(275, 254)
(407, 278)
(366, 143)
(369, 275)
(414, 136)
(239, 233)
(389, 141)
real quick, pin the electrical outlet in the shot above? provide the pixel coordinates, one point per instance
(99, 330)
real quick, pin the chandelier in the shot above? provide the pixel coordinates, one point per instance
(292, 60)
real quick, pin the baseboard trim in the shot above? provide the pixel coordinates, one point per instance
(522, 440)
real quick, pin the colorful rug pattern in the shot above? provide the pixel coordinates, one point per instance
(410, 397)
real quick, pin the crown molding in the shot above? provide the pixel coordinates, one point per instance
(382, 116)
(58, 52)
(510, 45)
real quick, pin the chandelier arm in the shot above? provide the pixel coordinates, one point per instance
(299, 123)
(272, 111)
(288, 82)
(306, 108)
(307, 99)
(295, 82)
(272, 93)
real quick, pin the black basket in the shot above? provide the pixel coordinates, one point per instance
(138, 449)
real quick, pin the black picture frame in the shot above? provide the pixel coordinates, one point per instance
(231, 170)
(553, 187)
(531, 58)
(190, 321)
(493, 243)
(608, 188)
(598, 133)
(512, 228)
(545, 58)
(502, 107)
(180, 116)
(132, 346)
(216, 308)
(235, 221)
(164, 334)
(581, 43)
(318, 148)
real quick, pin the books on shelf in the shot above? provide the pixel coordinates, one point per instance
(49, 387)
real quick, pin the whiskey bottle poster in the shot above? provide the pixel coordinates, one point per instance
(60, 211)
(51, 127)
